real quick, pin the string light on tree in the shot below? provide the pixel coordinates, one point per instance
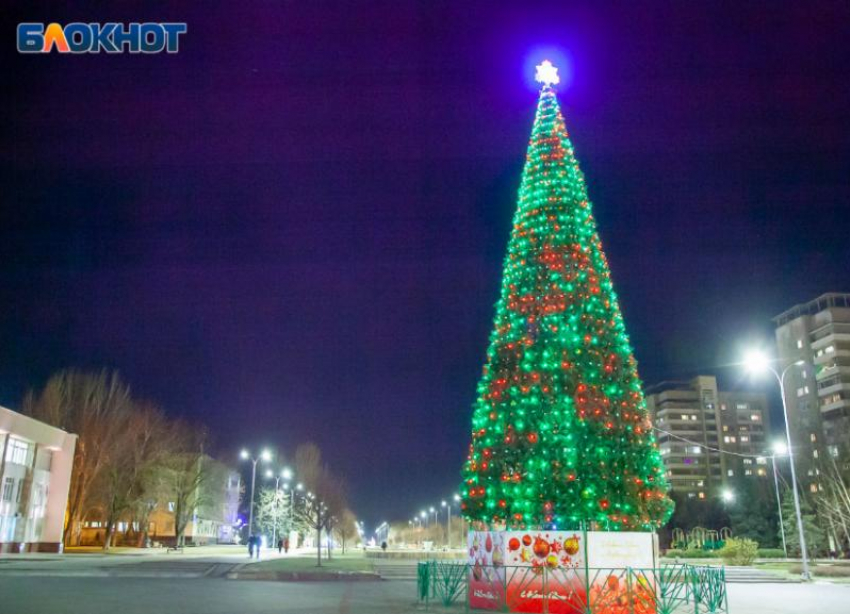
(560, 431)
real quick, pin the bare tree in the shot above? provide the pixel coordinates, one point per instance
(131, 480)
(328, 502)
(346, 528)
(94, 406)
(184, 474)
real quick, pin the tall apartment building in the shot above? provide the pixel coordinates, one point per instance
(817, 392)
(694, 419)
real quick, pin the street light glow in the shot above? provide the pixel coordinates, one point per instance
(728, 495)
(286, 473)
(780, 448)
(457, 497)
(269, 473)
(244, 455)
(266, 455)
(756, 362)
(442, 504)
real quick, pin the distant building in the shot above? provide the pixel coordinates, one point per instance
(214, 519)
(35, 475)
(695, 420)
(818, 392)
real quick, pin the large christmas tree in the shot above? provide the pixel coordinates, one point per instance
(560, 431)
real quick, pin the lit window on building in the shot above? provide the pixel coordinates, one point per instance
(755, 417)
(17, 451)
(8, 489)
(799, 344)
(730, 472)
(748, 471)
(812, 437)
(761, 472)
(742, 406)
(701, 495)
(748, 461)
(745, 438)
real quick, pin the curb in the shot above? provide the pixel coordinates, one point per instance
(309, 576)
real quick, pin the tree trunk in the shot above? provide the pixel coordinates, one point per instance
(107, 540)
(318, 544)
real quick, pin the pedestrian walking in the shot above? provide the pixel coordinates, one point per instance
(257, 543)
(279, 545)
(286, 545)
(250, 546)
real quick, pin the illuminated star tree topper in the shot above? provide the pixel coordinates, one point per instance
(547, 74)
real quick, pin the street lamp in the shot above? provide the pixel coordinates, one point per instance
(266, 456)
(757, 362)
(779, 449)
(728, 496)
(424, 515)
(448, 522)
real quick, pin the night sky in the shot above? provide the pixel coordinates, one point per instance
(293, 229)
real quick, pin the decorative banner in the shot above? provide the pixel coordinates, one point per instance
(545, 563)
(519, 570)
(486, 569)
(613, 588)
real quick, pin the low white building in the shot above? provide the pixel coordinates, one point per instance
(35, 475)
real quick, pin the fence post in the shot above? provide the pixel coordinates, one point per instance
(695, 588)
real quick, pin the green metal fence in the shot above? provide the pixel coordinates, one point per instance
(670, 589)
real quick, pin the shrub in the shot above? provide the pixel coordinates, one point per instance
(824, 571)
(771, 553)
(739, 551)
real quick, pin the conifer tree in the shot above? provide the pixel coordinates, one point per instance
(560, 431)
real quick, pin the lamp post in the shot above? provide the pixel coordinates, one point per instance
(758, 362)
(266, 456)
(448, 522)
(456, 498)
(779, 449)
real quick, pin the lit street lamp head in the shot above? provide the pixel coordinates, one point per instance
(728, 495)
(244, 455)
(756, 362)
(269, 473)
(780, 448)
(266, 455)
(286, 473)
